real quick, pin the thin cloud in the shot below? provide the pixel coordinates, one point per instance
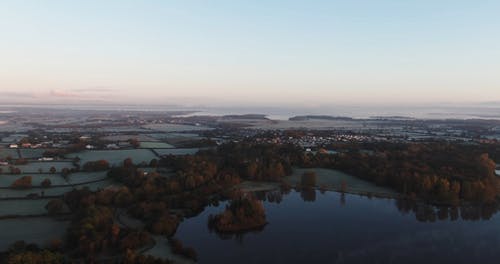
(62, 93)
(94, 90)
(18, 94)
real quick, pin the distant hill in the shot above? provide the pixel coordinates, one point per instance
(318, 117)
(246, 116)
(392, 118)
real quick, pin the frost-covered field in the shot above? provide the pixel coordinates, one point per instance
(332, 179)
(114, 157)
(39, 230)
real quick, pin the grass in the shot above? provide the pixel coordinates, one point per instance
(23, 207)
(39, 230)
(332, 179)
(33, 167)
(81, 177)
(115, 157)
(153, 144)
(56, 179)
(5, 152)
(177, 151)
(32, 153)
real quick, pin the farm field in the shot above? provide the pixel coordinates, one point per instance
(40, 230)
(32, 153)
(155, 144)
(23, 207)
(332, 179)
(114, 157)
(34, 167)
(177, 151)
(6, 179)
(6, 152)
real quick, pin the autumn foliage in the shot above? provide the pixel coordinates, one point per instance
(241, 214)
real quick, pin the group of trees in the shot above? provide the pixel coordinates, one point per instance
(98, 165)
(93, 228)
(178, 248)
(20, 253)
(132, 257)
(22, 183)
(428, 213)
(243, 213)
(439, 172)
(52, 170)
(156, 216)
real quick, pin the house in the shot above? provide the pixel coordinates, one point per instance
(26, 145)
(4, 163)
(13, 146)
(124, 144)
(112, 146)
(45, 159)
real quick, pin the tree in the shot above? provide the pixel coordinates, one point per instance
(165, 225)
(14, 170)
(99, 165)
(127, 163)
(22, 183)
(44, 256)
(52, 170)
(21, 161)
(46, 183)
(343, 186)
(308, 179)
(153, 163)
(55, 206)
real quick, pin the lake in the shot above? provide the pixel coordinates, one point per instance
(312, 227)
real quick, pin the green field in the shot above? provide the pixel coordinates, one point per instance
(39, 230)
(177, 151)
(56, 179)
(54, 191)
(332, 179)
(114, 157)
(33, 167)
(6, 152)
(23, 207)
(155, 144)
(81, 177)
(32, 153)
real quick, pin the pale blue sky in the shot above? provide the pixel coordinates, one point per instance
(249, 52)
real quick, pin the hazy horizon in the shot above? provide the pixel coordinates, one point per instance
(256, 54)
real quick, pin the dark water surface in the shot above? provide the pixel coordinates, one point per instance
(337, 228)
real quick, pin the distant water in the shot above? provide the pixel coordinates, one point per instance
(490, 111)
(332, 228)
(365, 112)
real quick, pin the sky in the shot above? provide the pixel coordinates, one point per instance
(260, 52)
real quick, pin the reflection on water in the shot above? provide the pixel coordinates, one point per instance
(313, 227)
